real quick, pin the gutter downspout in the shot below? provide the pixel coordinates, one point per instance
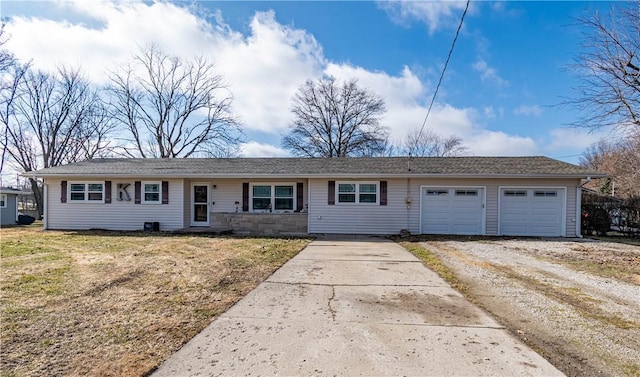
(579, 207)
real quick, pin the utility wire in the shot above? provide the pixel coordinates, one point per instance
(435, 93)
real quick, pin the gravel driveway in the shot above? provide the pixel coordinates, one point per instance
(577, 302)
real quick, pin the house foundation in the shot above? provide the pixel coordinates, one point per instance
(261, 223)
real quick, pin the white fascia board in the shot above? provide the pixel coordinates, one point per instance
(307, 176)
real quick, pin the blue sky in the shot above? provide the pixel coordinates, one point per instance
(500, 94)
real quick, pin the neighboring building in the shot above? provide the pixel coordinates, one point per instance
(9, 205)
(530, 196)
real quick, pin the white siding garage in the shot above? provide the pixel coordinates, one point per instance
(452, 210)
(532, 211)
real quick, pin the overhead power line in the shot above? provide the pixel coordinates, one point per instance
(444, 69)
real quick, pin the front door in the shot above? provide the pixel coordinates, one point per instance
(199, 204)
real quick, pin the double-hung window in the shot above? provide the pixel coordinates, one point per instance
(359, 192)
(272, 197)
(151, 192)
(88, 192)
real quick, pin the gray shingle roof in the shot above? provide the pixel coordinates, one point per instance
(321, 167)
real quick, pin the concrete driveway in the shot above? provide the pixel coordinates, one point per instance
(355, 306)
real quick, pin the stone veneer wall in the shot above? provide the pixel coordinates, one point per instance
(260, 223)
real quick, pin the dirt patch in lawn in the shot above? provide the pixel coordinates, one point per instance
(118, 304)
(575, 302)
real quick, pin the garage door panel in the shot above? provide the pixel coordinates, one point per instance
(452, 211)
(531, 212)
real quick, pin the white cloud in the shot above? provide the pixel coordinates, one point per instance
(263, 68)
(533, 110)
(573, 139)
(489, 74)
(256, 149)
(435, 14)
(406, 100)
(497, 143)
(105, 39)
(266, 68)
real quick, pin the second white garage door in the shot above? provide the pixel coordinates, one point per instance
(452, 210)
(532, 211)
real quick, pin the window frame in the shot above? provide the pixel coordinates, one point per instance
(273, 197)
(85, 192)
(3, 200)
(143, 199)
(357, 193)
(466, 192)
(545, 193)
(512, 193)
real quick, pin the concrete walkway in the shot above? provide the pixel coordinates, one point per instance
(355, 307)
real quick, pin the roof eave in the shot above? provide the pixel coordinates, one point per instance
(323, 175)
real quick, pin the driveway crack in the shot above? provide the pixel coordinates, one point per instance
(332, 310)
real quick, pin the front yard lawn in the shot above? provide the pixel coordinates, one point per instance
(118, 303)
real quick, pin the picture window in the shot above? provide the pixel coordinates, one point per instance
(358, 193)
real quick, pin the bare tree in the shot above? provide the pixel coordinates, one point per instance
(608, 70)
(333, 120)
(54, 119)
(11, 72)
(430, 144)
(173, 107)
(7, 60)
(620, 159)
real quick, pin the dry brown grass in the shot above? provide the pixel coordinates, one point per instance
(116, 304)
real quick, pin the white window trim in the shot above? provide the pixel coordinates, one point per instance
(357, 193)
(3, 198)
(273, 196)
(86, 191)
(142, 192)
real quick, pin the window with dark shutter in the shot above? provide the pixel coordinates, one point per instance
(383, 193)
(136, 192)
(331, 199)
(245, 197)
(299, 197)
(107, 191)
(63, 192)
(165, 192)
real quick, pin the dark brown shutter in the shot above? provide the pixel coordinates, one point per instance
(63, 192)
(107, 191)
(383, 193)
(136, 192)
(331, 199)
(165, 192)
(299, 196)
(245, 196)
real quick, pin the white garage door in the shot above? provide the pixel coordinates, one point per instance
(452, 210)
(531, 212)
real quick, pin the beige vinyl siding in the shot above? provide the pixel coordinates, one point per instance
(491, 210)
(186, 203)
(226, 193)
(358, 218)
(229, 191)
(117, 215)
(571, 210)
(390, 219)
